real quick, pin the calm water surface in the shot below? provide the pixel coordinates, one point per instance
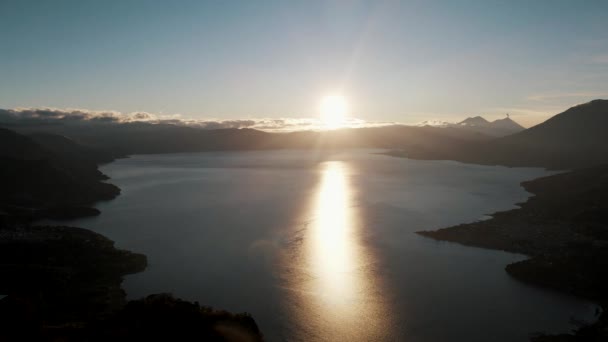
(323, 247)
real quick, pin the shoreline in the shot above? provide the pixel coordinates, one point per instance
(519, 200)
(560, 229)
(65, 283)
(507, 230)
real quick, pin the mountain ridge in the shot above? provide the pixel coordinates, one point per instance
(574, 138)
(496, 128)
(473, 121)
(44, 182)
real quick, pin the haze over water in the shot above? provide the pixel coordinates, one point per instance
(323, 247)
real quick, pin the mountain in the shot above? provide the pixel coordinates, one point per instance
(474, 121)
(75, 158)
(507, 124)
(71, 149)
(572, 139)
(14, 145)
(40, 182)
(581, 128)
(143, 138)
(496, 128)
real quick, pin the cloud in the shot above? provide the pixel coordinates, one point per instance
(59, 116)
(74, 117)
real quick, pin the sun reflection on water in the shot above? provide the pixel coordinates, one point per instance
(334, 295)
(331, 248)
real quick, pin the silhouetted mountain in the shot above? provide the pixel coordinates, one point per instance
(579, 128)
(507, 124)
(44, 182)
(70, 149)
(64, 283)
(572, 139)
(474, 121)
(138, 138)
(74, 158)
(496, 128)
(14, 145)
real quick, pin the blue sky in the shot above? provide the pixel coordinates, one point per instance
(404, 61)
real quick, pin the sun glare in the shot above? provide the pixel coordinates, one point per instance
(333, 111)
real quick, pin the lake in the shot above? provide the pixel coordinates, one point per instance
(322, 246)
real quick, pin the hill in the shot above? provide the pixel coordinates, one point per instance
(572, 139)
(48, 181)
(474, 121)
(579, 129)
(564, 229)
(64, 283)
(142, 138)
(478, 124)
(496, 128)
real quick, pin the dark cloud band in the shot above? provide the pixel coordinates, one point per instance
(52, 116)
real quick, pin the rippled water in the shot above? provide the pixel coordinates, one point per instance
(323, 247)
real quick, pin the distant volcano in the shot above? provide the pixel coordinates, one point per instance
(497, 128)
(474, 121)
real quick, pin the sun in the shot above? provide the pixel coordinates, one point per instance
(333, 111)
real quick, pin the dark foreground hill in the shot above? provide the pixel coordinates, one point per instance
(64, 283)
(564, 228)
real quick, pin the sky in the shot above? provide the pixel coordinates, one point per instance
(394, 61)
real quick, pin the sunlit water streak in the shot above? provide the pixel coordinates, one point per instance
(336, 290)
